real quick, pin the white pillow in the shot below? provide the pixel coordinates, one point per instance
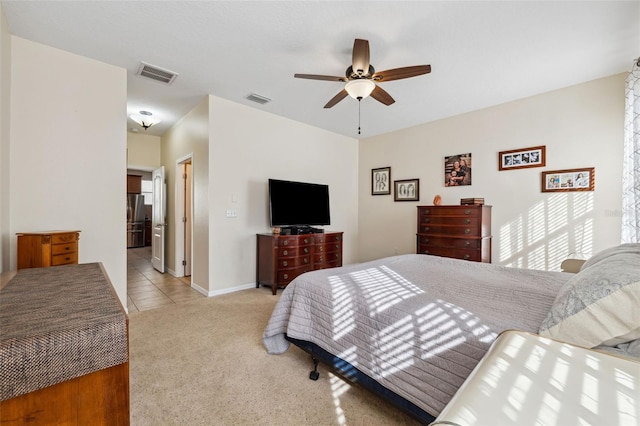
(632, 248)
(600, 305)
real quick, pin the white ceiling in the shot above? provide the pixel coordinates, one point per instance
(482, 53)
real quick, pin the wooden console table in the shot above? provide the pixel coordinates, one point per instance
(64, 348)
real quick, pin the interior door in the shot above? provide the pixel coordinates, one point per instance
(187, 219)
(158, 219)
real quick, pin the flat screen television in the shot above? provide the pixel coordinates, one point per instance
(298, 203)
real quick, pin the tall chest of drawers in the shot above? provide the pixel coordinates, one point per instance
(461, 232)
(50, 248)
(281, 258)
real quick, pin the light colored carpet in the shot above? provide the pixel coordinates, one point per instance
(203, 363)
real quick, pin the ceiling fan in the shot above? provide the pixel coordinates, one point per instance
(362, 78)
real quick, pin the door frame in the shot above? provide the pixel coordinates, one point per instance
(179, 227)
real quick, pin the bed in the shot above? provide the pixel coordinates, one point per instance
(411, 328)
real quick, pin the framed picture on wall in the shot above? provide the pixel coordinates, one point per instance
(457, 170)
(569, 180)
(406, 190)
(381, 181)
(522, 158)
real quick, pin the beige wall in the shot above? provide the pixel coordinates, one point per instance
(248, 146)
(189, 137)
(581, 126)
(5, 96)
(68, 152)
(143, 151)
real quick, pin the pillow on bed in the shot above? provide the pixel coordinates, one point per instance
(600, 305)
(633, 248)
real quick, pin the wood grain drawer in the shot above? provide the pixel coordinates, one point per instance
(294, 241)
(327, 238)
(286, 275)
(449, 230)
(326, 265)
(294, 251)
(450, 211)
(63, 248)
(473, 255)
(462, 243)
(64, 238)
(327, 257)
(64, 259)
(294, 262)
(450, 220)
(329, 248)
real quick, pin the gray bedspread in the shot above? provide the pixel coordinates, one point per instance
(417, 324)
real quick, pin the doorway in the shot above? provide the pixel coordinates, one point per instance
(184, 215)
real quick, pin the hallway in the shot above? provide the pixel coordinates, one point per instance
(149, 289)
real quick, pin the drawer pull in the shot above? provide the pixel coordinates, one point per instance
(321, 248)
(306, 241)
(467, 231)
(285, 242)
(427, 220)
(467, 211)
(67, 258)
(286, 276)
(467, 257)
(306, 250)
(285, 252)
(306, 260)
(321, 258)
(425, 240)
(285, 263)
(67, 248)
(337, 246)
(467, 243)
(337, 238)
(467, 221)
(426, 229)
(426, 252)
(427, 211)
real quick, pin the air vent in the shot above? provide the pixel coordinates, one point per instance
(156, 73)
(257, 98)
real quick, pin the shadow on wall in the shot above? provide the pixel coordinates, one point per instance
(550, 231)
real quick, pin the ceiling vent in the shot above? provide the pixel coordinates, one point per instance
(156, 73)
(257, 98)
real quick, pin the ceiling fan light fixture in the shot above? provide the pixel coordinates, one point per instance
(145, 119)
(360, 88)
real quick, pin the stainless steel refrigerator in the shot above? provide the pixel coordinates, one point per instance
(135, 220)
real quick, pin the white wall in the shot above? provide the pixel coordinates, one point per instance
(581, 126)
(5, 96)
(68, 152)
(143, 151)
(190, 136)
(247, 147)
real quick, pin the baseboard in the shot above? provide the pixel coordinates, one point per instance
(213, 293)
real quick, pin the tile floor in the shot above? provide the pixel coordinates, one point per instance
(150, 289)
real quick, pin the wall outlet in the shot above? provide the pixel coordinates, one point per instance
(232, 213)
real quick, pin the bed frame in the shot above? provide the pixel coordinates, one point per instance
(355, 376)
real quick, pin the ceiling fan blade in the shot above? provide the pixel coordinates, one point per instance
(381, 95)
(399, 73)
(337, 98)
(320, 77)
(360, 56)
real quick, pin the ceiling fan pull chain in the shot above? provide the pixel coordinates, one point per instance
(359, 101)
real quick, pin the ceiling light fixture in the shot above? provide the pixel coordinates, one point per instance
(359, 88)
(145, 119)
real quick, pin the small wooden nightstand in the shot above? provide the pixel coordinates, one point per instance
(49, 248)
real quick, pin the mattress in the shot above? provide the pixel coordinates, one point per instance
(416, 324)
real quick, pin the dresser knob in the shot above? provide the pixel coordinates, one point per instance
(285, 263)
(467, 211)
(467, 231)
(467, 257)
(321, 258)
(467, 243)
(426, 228)
(306, 250)
(306, 241)
(427, 220)
(306, 260)
(321, 248)
(427, 211)
(425, 240)
(337, 238)
(285, 252)
(337, 246)
(286, 276)
(426, 252)
(467, 221)
(285, 242)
